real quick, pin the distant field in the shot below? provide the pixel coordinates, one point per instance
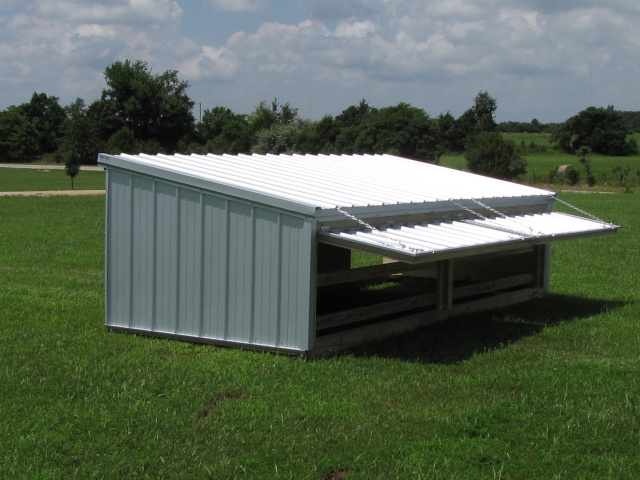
(540, 164)
(19, 179)
(528, 138)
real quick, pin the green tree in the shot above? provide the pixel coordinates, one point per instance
(349, 124)
(401, 130)
(154, 107)
(47, 117)
(274, 128)
(123, 141)
(72, 165)
(477, 119)
(79, 133)
(484, 109)
(264, 116)
(490, 154)
(18, 136)
(317, 137)
(601, 129)
(451, 136)
(222, 131)
(279, 138)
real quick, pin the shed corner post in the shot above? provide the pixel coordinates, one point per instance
(107, 246)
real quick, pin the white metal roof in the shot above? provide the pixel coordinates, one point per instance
(429, 241)
(304, 183)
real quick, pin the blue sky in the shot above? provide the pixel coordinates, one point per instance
(543, 59)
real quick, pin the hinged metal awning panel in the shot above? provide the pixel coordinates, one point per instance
(429, 241)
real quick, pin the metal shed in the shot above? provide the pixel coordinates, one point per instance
(255, 250)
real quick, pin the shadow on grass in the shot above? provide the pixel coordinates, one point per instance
(460, 338)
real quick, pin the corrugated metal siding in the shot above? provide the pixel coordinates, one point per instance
(181, 261)
(411, 241)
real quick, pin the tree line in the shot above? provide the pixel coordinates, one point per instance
(140, 111)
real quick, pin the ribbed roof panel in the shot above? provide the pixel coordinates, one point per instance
(325, 181)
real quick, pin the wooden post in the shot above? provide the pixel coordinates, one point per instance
(444, 288)
(541, 265)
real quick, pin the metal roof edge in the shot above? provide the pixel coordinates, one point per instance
(246, 194)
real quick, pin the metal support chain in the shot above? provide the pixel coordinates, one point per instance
(592, 217)
(534, 233)
(375, 230)
(495, 227)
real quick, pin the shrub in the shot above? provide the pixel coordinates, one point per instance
(490, 154)
(572, 176)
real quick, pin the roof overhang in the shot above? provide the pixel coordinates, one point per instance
(438, 240)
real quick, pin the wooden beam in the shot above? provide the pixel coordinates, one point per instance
(335, 342)
(369, 312)
(444, 287)
(493, 285)
(365, 273)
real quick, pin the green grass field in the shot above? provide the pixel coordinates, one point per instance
(540, 164)
(19, 179)
(549, 389)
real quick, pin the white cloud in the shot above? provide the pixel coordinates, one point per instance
(238, 6)
(545, 51)
(129, 12)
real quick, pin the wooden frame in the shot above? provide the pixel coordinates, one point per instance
(453, 287)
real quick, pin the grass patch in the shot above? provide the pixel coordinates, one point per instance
(23, 179)
(549, 389)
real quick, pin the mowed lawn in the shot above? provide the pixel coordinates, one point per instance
(549, 389)
(23, 179)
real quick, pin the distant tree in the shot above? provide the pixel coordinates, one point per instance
(401, 130)
(317, 136)
(536, 126)
(72, 165)
(600, 129)
(452, 137)
(123, 141)
(631, 120)
(274, 128)
(349, 124)
(47, 117)
(222, 131)
(478, 119)
(80, 133)
(490, 154)
(583, 156)
(153, 107)
(484, 109)
(264, 116)
(279, 138)
(18, 136)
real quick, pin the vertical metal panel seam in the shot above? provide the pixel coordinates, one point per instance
(177, 254)
(154, 256)
(252, 297)
(227, 267)
(131, 248)
(202, 267)
(278, 322)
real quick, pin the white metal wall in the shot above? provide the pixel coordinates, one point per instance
(187, 262)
